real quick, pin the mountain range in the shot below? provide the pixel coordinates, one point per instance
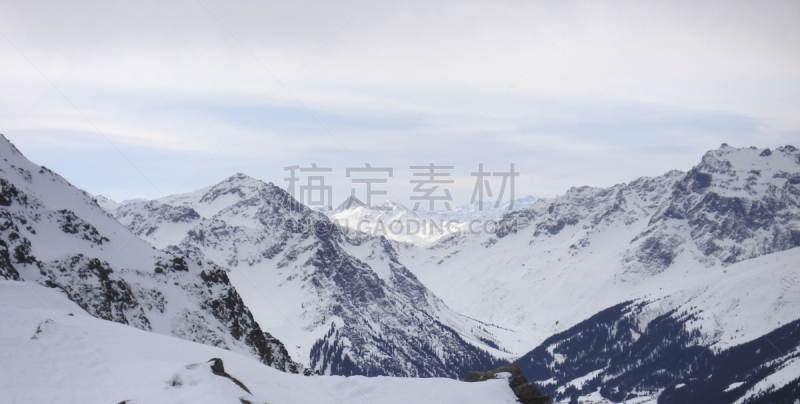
(677, 288)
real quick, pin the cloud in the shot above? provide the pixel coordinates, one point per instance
(575, 95)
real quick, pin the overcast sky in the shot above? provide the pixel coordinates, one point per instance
(153, 98)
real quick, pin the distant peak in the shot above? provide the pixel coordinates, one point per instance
(4, 141)
(134, 200)
(240, 176)
(239, 179)
(103, 197)
(394, 205)
(350, 202)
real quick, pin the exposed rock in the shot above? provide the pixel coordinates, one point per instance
(56, 235)
(526, 393)
(373, 315)
(218, 369)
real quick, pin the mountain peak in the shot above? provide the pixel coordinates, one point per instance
(108, 204)
(351, 202)
(240, 177)
(241, 182)
(5, 143)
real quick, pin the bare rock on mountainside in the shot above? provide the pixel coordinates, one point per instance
(56, 235)
(219, 369)
(525, 392)
(352, 307)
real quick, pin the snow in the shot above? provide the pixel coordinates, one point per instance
(169, 302)
(77, 358)
(420, 227)
(789, 371)
(573, 256)
(241, 218)
(594, 398)
(537, 283)
(503, 375)
(579, 382)
(730, 387)
(107, 204)
(524, 287)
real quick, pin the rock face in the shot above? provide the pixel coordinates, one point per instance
(735, 205)
(342, 299)
(56, 235)
(218, 368)
(525, 392)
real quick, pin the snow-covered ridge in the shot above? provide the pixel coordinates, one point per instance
(734, 325)
(53, 351)
(593, 247)
(706, 254)
(399, 223)
(597, 247)
(736, 204)
(339, 298)
(54, 234)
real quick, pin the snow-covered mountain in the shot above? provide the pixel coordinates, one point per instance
(398, 223)
(598, 247)
(106, 203)
(665, 268)
(604, 282)
(56, 235)
(732, 337)
(52, 351)
(340, 299)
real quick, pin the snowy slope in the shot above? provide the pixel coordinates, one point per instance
(553, 265)
(107, 204)
(738, 324)
(145, 220)
(562, 265)
(56, 235)
(51, 351)
(339, 299)
(418, 227)
(568, 257)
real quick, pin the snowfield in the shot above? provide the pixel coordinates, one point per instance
(576, 254)
(54, 234)
(51, 351)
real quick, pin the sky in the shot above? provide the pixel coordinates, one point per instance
(146, 98)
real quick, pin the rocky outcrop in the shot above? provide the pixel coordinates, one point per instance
(736, 204)
(364, 312)
(526, 393)
(218, 369)
(56, 235)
